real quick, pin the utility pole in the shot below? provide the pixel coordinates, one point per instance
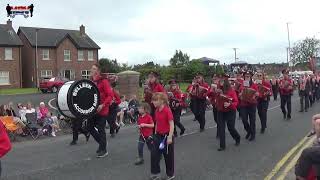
(289, 48)
(37, 63)
(235, 54)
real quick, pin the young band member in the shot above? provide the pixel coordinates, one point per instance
(304, 91)
(275, 88)
(212, 95)
(152, 85)
(163, 138)
(248, 105)
(175, 100)
(227, 113)
(198, 93)
(264, 88)
(98, 121)
(192, 100)
(286, 89)
(238, 87)
(112, 117)
(76, 128)
(145, 125)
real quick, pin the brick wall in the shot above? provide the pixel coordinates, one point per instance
(28, 64)
(13, 66)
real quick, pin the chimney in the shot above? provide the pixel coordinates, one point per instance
(9, 23)
(82, 30)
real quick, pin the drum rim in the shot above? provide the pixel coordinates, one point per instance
(57, 103)
(69, 99)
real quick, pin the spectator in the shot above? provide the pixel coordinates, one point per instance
(30, 109)
(308, 158)
(10, 111)
(43, 110)
(3, 110)
(133, 108)
(22, 113)
(49, 125)
(123, 108)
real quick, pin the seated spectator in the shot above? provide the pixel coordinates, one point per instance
(3, 110)
(43, 110)
(30, 109)
(133, 108)
(39, 116)
(309, 158)
(22, 113)
(10, 111)
(123, 107)
(49, 126)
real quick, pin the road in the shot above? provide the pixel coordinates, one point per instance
(196, 154)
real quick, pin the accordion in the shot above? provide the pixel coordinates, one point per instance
(199, 91)
(302, 85)
(248, 95)
(237, 85)
(173, 103)
(221, 99)
(263, 90)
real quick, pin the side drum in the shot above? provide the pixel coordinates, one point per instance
(78, 99)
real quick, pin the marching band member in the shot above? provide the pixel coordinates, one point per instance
(152, 86)
(212, 95)
(175, 99)
(286, 90)
(163, 143)
(192, 100)
(227, 102)
(275, 88)
(304, 91)
(238, 86)
(264, 88)
(198, 93)
(248, 104)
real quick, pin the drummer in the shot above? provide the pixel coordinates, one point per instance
(97, 123)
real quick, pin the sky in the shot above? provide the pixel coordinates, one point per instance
(136, 31)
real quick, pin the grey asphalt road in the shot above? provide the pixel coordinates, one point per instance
(196, 155)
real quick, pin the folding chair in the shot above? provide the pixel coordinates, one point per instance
(10, 126)
(32, 125)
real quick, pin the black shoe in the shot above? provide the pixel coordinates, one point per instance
(252, 138)
(182, 132)
(112, 135)
(139, 161)
(301, 111)
(289, 117)
(117, 129)
(98, 150)
(248, 135)
(201, 130)
(87, 136)
(73, 143)
(262, 130)
(238, 142)
(284, 116)
(102, 153)
(221, 149)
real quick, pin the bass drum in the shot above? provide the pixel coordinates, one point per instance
(78, 99)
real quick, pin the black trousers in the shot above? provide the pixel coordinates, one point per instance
(156, 154)
(228, 118)
(200, 111)
(77, 128)
(304, 101)
(308, 158)
(99, 135)
(311, 99)
(215, 118)
(275, 92)
(262, 112)
(192, 105)
(248, 116)
(111, 119)
(286, 101)
(176, 116)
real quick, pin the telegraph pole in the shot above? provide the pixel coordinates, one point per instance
(289, 48)
(235, 54)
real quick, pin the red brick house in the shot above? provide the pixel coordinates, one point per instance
(56, 52)
(10, 57)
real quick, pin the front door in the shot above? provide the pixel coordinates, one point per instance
(67, 74)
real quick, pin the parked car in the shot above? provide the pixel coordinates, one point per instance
(52, 84)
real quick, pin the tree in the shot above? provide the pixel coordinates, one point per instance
(179, 59)
(109, 66)
(303, 50)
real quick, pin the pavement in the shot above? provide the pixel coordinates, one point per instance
(196, 155)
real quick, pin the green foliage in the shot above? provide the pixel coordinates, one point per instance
(109, 66)
(303, 50)
(179, 59)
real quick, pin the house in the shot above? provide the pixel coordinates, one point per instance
(56, 52)
(10, 57)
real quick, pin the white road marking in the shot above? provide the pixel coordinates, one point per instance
(49, 103)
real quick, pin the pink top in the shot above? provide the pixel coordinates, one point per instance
(43, 112)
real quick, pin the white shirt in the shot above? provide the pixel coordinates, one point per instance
(32, 110)
(123, 105)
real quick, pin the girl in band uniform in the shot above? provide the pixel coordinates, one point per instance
(212, 95)
(163, 137)
(145, 125)
(227, 114)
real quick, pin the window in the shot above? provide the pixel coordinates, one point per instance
(90, 55)
(8, 54)
(80, 55)
(46, 73)
(67, 55)
(69, 74)
(85, 74)
(45, 54)
(4, 78)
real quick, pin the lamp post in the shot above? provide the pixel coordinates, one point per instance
(235, 54)
(289, 47)
(37, 63)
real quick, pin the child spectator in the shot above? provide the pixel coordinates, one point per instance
(3, 110)
(22, 113)
(123, 108)
(43, 110)
(133, 108)
(49, 126)
(145, 125)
